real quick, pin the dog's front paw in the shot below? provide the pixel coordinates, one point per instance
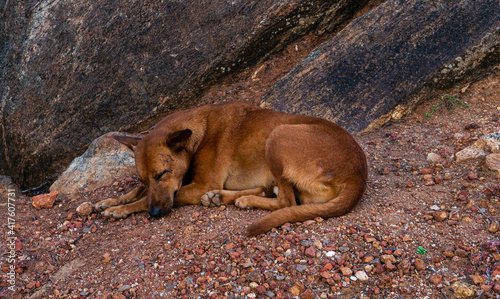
(116, 212)
(211, 198)
(105, 204)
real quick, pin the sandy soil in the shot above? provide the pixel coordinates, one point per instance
(444, 207)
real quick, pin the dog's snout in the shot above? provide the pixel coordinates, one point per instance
(155, 212)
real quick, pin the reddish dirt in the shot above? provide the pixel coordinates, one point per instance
(199, 252)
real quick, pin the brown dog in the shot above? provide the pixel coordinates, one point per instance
(236, 153)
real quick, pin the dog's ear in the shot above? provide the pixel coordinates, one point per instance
(178, 140)
(129, 141)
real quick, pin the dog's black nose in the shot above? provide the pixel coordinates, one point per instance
(155, 212)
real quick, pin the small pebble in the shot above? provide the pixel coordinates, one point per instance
(361, 275)
(301, 268)
(419, 264)
(434, 158)
(494, 227)
(84, 209)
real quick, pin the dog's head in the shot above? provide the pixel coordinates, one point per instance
(162, 161)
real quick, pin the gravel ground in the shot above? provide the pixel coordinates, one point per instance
(421, 231)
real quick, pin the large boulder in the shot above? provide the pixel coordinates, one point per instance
(389, 57)
(74, 70)
(104, 162)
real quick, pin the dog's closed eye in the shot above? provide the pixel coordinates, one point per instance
(159, 175)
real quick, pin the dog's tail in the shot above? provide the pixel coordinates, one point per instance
(338, 206)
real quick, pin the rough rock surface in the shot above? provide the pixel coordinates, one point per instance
(480, 148)
(105, 161)
(388, 57)
(493, 162)
(7, 186)
(74, 70)
(470, 152)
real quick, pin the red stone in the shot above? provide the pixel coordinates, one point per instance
(311, 251)
(45, 200)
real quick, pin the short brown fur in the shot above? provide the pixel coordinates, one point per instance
(236, 153)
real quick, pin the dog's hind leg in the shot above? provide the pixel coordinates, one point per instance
(130, 197)
(226, 197)
(124, 211)
(253, 201)
(290, 163)
(285, 197)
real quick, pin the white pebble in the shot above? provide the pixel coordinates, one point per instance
(330, 253)
(361, 275)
